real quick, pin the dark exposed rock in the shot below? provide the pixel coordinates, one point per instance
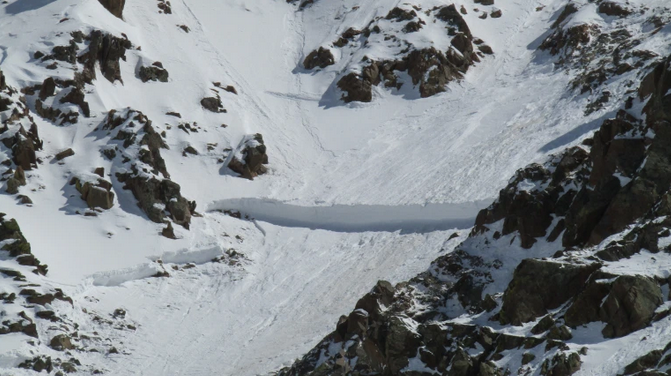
(528, 358)
(159, 198)
(24, 144)
(164, 7)
(106, 50)
(399, 14)
(613, 9)
(64, 154)
(630, 305)
(189, 150)
(76, 96)
(355, 88)
(12, 186)
(413, 26)
(441, 69)
(61, 342)
(47, 315)
(114, 6)
(212, 104)
(97, 194)
(571, 39)
(64, 53)
(38, 364)
(543, 325)
(24, 200)
(254, 159)
(153, 73)
(48, 88)
(19, 247)
(346, 37)
(647, 361)
(529, 212)
(538, 286)
(450, 14)
(321, 58)
(429, 69)
(561, 365)
(169, 232)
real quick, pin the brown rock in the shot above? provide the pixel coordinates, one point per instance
(48, 88)
(61, 342)
(321, 58)
(64, 154)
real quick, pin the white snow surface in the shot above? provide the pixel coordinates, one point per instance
(359, 192)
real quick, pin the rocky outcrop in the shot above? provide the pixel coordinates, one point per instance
(538, 286)
(96, 191)
(252, 158)
(114, 6)
(18, 132)
(527, 208)
(155, 72)
(429, 68)
(17, 246)
(611, 8)
(213, 104)
(106, 50)
(138, 164)
(625, 303)
(355, 88)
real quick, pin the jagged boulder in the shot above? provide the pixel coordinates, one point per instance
(611, 8)
(561, 365)
(155, 72)
(48, 88)
(451, 15)
(141, 161)
(252, 160)
(355, 88)
(647, 361)
(17, 245)
(630, 305)
(626, 304)
(61, 342)
(97, 193)
(529, 211)
(399, 14)
(77, 96)
(106, 50)
(213, 104)
(160, 199)
(432, 70)
(322, 58)
(538, 286)
(572, 39)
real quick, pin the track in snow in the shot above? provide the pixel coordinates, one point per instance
(357, 218)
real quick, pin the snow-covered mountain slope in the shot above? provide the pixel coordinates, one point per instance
(127, 137)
